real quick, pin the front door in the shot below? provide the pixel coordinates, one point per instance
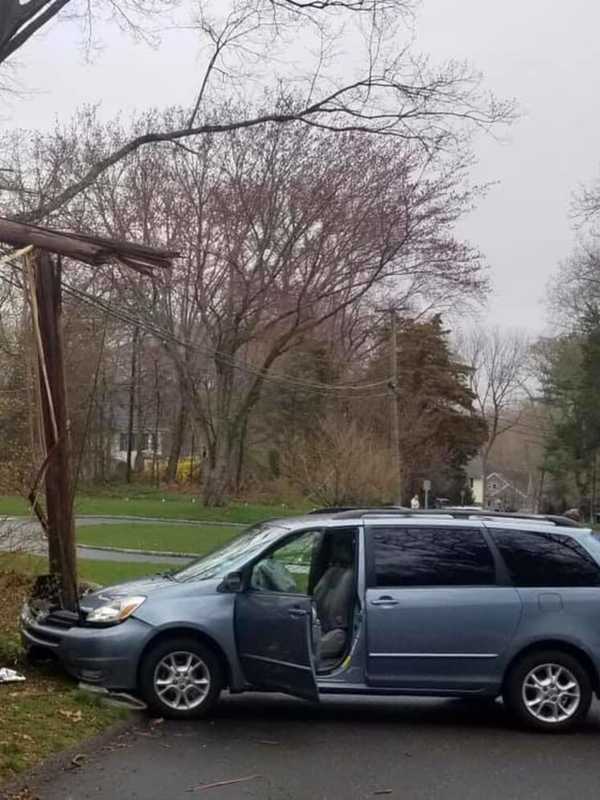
(275, 623)
(436, 617)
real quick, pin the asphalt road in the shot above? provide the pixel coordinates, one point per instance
(340, 750)
(92, 554)
(23, 534)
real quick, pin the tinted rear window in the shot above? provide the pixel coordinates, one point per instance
(405, 556)
(546, 559)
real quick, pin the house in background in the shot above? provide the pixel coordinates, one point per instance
(503, 494)
(150, 447)
(147, 444)
(143, 445)
(506, 490)
(474, 473)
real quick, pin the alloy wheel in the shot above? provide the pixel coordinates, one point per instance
(551, 693)
(181, 680)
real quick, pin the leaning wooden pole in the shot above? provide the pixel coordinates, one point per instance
(47, 308)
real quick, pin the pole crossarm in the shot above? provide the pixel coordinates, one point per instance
(93, 250)
(16, 255)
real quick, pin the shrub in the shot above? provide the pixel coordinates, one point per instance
(341, 464)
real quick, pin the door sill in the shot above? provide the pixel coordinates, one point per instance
(331, 687)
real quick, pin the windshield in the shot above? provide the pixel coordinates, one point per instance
(232, 556)
(595, 543)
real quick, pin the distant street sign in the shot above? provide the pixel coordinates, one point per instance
(426, 489)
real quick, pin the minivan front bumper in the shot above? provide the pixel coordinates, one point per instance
(107, 656)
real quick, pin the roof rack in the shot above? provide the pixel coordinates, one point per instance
(564, 522)
(349, 512)
(354, 510)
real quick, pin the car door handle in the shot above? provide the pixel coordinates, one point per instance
(296, 613)
(385, 600)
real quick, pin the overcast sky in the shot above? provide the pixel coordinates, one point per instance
(543, 53)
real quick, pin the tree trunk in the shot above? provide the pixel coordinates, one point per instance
(240, 456)
(216, 480)
(99, 449)
(155, 464)
(540, 492)
(484, 466)
(130, 425)
(216, 471)
(177, 442)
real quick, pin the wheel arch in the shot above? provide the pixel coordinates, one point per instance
(563, 646)
(200, 636)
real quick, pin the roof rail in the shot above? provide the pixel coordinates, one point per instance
(348, 512)
(554, 519)
(359, 510)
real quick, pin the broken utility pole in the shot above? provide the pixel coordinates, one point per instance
(43, 272)
(46, 303)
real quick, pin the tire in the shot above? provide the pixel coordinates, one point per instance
(533, 691)
(181, 678)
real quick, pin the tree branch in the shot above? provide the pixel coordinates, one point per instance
(18, 23)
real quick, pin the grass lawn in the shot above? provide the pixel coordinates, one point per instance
(152, 503)
(47, 713)
(171, 538)
(103, 572)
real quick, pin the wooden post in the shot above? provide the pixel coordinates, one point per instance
(61, 526)
(395, 406)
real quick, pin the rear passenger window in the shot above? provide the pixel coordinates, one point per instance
(546, 559)
(405, 556)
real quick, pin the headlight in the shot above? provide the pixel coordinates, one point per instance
(114, 612)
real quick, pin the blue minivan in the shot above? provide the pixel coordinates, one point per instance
(358, 601)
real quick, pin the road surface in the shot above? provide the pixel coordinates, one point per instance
(25, 535)
(285, 749)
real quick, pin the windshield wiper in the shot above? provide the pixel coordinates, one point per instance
(169, 574)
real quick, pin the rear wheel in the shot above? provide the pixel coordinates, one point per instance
(181, 678)
(549, 690)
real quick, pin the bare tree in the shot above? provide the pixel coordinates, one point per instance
(20, 20)
(586, 204)
(282, 232)
(340, 463)
(575, 288)
(498, 362)
(391, 91)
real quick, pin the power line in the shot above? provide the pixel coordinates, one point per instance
(161, 334)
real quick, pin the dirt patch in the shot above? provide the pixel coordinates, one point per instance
(14, 588)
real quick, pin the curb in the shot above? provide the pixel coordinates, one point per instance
(132, 551)
(44, 771)
(200, 523)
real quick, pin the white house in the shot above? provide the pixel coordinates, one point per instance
(474, 472)
(503, 492)
(142, 443)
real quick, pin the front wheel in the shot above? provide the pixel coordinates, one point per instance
(181, 678)
(549, 691)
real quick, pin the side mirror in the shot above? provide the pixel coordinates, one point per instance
(232, 583)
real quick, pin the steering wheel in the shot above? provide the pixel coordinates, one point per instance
(273, 576)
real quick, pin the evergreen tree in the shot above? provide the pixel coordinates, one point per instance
(570, 372)
(439, 428)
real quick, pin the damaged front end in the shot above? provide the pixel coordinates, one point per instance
(45, 599)
(43, 617)
(101, 654)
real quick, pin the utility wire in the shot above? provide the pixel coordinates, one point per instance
(166, 336)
